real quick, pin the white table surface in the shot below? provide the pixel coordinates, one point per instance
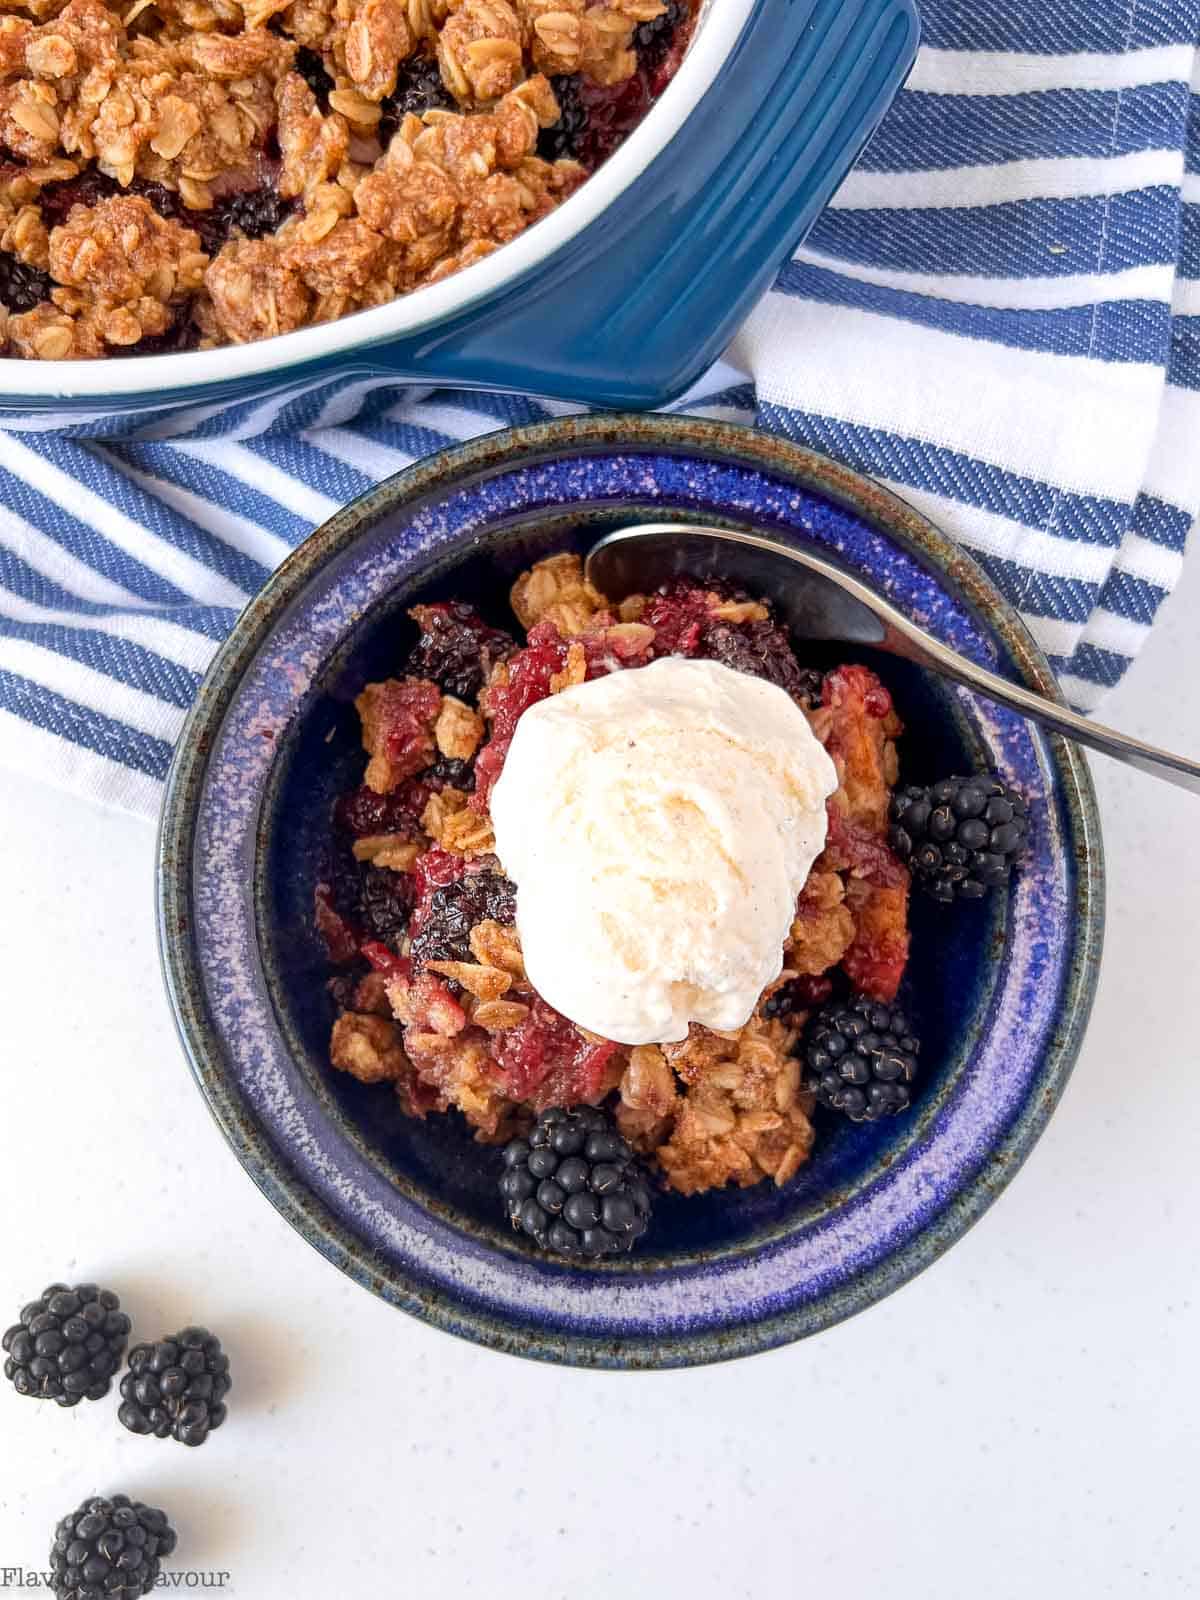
(1019, 1421)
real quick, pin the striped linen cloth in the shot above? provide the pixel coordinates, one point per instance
(999, 316)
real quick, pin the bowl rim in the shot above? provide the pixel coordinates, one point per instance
(268, 1167)
(713, 41)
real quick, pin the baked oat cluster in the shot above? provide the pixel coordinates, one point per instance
(181, 174)
(432, 995)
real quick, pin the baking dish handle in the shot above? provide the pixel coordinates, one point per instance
(633, 309)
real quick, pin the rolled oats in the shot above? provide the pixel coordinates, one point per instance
(485, 983)
(494, 1016)
(479, 51)
(458, 730)
(254, 294)
(468, 833)
(557, 582)
(375, 42)
(493, 944)
(392, 850)
(439, 808)
(368, 1047)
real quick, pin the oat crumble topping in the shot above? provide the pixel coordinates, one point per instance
(189, 173)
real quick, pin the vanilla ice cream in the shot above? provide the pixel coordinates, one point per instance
(659, 824)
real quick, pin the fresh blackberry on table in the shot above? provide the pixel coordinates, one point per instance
(455, 908)
(22, 287)
(860, 1058)
(560, 142)
(456, 648)
(574, 1187)
(67, 1344)
(176, 1387)
(110, 1549)
(960, 837)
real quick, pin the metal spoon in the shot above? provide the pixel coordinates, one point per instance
(820, 601)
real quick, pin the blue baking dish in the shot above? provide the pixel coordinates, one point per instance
(620, 298)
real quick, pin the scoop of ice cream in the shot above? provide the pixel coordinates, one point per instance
(659, 824)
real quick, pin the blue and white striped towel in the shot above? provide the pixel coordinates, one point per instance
(999, 316)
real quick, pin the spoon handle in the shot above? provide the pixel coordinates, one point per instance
(906, 639)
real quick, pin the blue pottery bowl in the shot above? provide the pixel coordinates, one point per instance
(1001, 989)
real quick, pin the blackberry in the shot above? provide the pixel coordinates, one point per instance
(809, 687)
(797, 997)
(182, 335)
(254, 212)
(763, 650)
(110, 1549)
(22, 287)
(361, 812)
(361, 902)
(685, 622)
(343, 987)
(343, 875)
(86, 189)
(419, 88)
(90, 188)
(561, 141)
(176, 1387)
(455, 908)
(448, 772)
(574, 1186)
(385, 902)
(456, 648)
(67, 1345)
(653, 39)
(861, 1059)
(960, 837)
(312, 69)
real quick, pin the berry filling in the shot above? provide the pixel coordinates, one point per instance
(597, 118)
(250, 205)
(452, 909)
(446, 1012)
(22, 287)
(547, 1061)
(456, 648)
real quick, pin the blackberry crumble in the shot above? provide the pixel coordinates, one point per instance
(435, 1000)
(233, 185)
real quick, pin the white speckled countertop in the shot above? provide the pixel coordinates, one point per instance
(1015, 1422)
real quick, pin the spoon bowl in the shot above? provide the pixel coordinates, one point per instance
(820, 600)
